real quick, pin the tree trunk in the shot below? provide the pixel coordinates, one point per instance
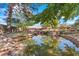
(9, 17)
(55, 32)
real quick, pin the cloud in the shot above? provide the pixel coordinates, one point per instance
(72, 21)
(3, 22)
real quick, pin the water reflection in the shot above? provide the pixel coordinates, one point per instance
(39, 40)
(64, 41)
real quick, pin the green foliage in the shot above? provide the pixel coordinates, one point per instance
(55, 23)
(23, 26)
(46, 24)
(69, 51)
(56, 11)
(48, 48)
(43, 50)
(28, 42)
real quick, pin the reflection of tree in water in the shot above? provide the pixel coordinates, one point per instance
(49, 47)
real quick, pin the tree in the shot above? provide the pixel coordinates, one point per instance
(54, 12)
(10, 8)
(23, 9)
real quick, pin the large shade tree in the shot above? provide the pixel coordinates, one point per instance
(55, 11)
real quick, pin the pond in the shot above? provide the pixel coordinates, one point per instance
(39, 40)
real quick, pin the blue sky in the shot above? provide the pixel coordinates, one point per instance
(3, 10)
(69, 22)
(40, 9)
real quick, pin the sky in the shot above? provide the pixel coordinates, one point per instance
(3, 10)
(40, 9)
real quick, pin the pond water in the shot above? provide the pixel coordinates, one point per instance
(63, 41)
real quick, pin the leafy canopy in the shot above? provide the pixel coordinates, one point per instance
(56, 11)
